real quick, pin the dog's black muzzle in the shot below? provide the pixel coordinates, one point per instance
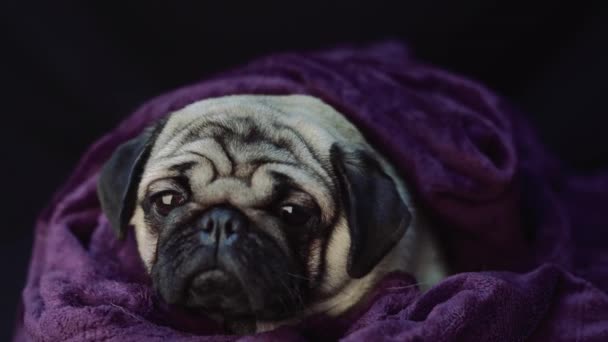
(220, 263)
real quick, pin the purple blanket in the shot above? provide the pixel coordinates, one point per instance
(530, 238)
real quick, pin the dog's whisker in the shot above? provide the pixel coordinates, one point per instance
(297, 276)
(281, 297)
(295, 295)
(396, 288)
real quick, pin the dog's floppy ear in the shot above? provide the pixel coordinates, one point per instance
(377, 216)
(120, 176)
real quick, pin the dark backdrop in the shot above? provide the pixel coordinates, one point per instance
(71, 70)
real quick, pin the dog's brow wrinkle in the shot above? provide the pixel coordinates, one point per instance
(302, 153)
(212, 150)
(211, 163)
(222, 143)
(183, 167)
(190, 132)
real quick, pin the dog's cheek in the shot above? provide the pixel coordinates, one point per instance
(315, 250)
(146, 240)
(336, 257)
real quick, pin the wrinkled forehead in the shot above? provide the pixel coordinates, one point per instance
(236, 130)
(316, 122)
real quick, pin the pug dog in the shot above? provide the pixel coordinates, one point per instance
(262, 210)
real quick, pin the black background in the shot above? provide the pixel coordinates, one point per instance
(71, 70)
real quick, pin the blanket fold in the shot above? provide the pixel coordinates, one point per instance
(530, 238)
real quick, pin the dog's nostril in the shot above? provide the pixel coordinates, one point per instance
(208, 226)
(229, 228)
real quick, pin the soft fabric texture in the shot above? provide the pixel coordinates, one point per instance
(530, 238)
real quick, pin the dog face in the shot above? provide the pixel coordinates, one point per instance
(257, 206)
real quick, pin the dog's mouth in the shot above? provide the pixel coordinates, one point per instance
(217, 292)
(240, 296)
(213, 282)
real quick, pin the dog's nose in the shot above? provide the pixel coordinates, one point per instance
(222, 225)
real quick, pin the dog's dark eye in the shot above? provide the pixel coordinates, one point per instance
(294, 214)
(166, 201)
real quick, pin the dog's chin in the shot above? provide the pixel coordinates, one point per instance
(218, 293)
(227, 290)
(221, 295)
